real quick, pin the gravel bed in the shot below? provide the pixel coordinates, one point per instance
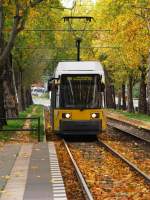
(73, 189)
(50, 136)
(130, 128)
(108, 177)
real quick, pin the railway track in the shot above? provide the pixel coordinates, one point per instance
(129, 163)
(92, 186)
(132, 149)
(131, 131)
(86, 190)
(108, 181)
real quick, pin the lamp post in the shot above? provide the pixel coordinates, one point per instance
(78, 42)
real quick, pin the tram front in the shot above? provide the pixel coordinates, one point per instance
(79, 102)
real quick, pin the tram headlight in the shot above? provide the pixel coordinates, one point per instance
(66, 115)
(95, 115)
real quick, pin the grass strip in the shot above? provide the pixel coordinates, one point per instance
(34, 123)
(15, 124)
(137, 116)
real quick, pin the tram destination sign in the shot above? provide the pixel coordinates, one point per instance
(80, 78)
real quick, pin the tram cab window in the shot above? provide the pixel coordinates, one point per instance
(80, 91)
(53, 96)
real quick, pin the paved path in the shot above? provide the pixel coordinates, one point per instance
(8, 156)
(41, 101)
(29, 172)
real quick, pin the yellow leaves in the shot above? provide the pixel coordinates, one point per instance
(18, 174)
(2, 191)
(5, 177)
(37, 149)
(21, 13)
(128, 31)
(25, 155)
(34, 167)
(33, 13)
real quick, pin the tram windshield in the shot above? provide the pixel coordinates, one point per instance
(80, 91)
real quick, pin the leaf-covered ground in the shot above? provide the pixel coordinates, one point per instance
(23, 136)
(133, 149)
(107, 176)
(73, 190)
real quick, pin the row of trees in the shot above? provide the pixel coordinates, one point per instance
(128, 62)
(21, 60)
(122, 46)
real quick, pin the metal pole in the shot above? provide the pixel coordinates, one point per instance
(78, 42)
(39, 138)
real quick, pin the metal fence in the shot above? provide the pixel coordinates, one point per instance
(25, 129)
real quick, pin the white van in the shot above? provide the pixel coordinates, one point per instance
(37, 91)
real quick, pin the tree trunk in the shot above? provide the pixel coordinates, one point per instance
(109, 92)
(10, 96)
(2, 109)
(28, 97)
(148, 86)
(20, 89)
(124, 106)
(130, 97)
(23, 97)
(119, 99)
(114, 97)
(142, 96)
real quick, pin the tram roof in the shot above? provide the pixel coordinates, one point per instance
(79, 67)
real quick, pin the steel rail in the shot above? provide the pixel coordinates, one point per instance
(82, 180)
(62, 30)
(134, 135)
(131, 165)
(68, 48)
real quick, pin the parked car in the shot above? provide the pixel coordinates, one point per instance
(37, 91)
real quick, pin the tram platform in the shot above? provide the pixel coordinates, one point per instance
(132, 122)
(29, 172)
(134, 127)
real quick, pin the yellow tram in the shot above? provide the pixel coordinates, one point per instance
(77, 98)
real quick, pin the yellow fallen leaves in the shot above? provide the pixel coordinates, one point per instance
(18, 174)
(37, 149)
(108, 177)
(55, 180)
(133, 151)
(73, 189)
(25, 155)
(34, 167)
(2, 191)
(5, 177)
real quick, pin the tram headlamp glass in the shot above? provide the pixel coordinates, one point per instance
(95, 115)
(66, 115)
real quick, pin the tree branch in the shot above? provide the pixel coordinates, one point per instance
(12, 37)
(35, 2)
(18, 26)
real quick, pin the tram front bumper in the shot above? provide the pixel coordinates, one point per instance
(90, 127)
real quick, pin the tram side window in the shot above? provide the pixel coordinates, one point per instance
(53, 96)
(80, 91)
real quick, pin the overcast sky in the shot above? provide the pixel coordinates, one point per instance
(69, 3)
